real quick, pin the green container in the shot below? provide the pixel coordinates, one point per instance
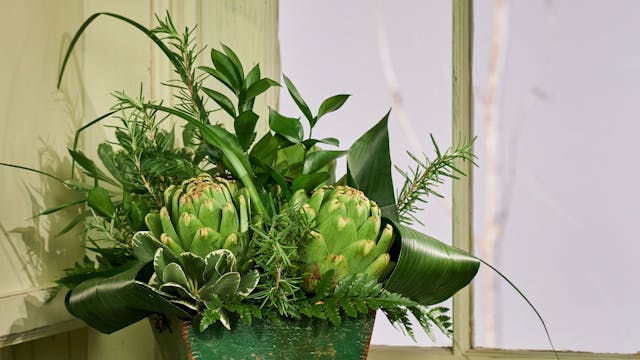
(264, 339)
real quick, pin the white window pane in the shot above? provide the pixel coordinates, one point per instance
(332, 47)
(567, 128)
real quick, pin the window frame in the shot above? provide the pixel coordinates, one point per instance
(462, 213)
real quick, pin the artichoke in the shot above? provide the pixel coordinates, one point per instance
(201, 215)
(347, 237)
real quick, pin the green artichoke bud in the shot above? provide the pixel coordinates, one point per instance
(348, 237)
(201, 215)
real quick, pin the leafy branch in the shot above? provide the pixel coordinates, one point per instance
(420, 181)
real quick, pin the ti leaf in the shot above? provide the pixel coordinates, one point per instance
(429, 271)
(111, 303)
(369, 168)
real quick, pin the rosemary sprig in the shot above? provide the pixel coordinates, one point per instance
(419, 182)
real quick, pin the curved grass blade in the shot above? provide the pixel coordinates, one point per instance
(81, 129)
(170, 55)
(35, 171)
(544, 325)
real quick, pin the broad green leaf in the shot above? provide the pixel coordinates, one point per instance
(252, 76)
(289, 128)
(221, 100)
(100, 201)
(330, 105)
(309, 181)
(369, 168)
(429, 271)
(219, 76)
(90, 167)
(234, 59)
(295, 95)
(111, 303)
(272, 173)
(316, 160)
(245, 127)
(329, 141)
(259, 87)
(223, 64)
(265, 149)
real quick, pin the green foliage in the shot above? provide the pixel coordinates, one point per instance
(161, 245)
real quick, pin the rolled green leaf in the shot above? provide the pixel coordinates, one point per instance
(111, 303)
(429, 271)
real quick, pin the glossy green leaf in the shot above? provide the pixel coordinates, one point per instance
(245, 127)
(234, 59)
(252, 76)
(429, 271)
(295, 95)
(111, 303)
(329, 141)
(100, 201)
(223, 64)
(330, 105)
(309, 181)
(219, 76)
(221, 100)
(289, 128)
(369, 168)
(259, 87)
(265, 149)
(316, 160)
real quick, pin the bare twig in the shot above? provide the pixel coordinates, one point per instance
(390, 76)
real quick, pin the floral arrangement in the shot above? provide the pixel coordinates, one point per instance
(225, 223)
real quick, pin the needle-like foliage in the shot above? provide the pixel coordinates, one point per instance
(420, 181)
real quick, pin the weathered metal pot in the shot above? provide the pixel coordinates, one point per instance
(264, 339)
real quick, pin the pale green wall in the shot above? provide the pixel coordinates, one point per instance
(37, 124)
